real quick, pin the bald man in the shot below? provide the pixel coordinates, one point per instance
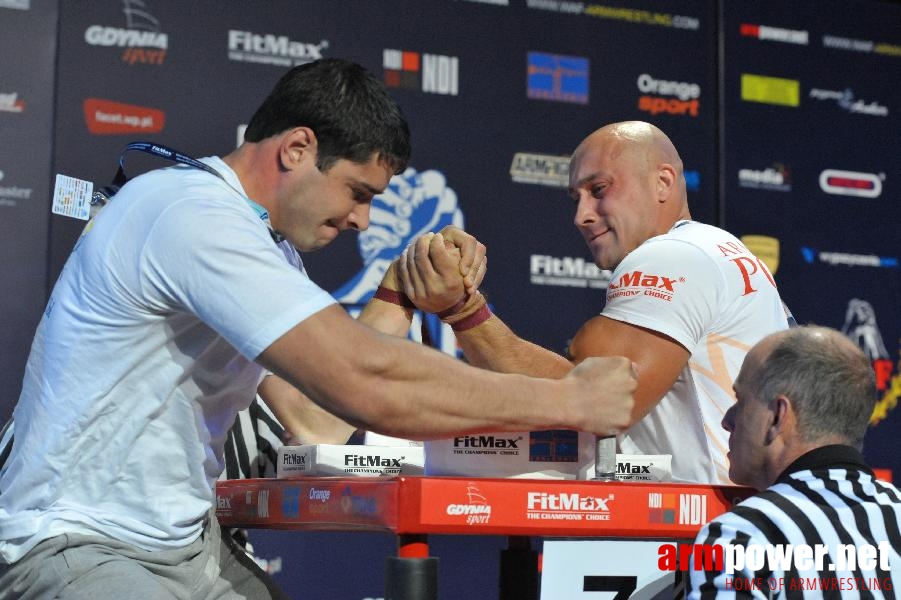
(686, 300)
(805, 397)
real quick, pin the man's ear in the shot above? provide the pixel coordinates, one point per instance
(782, 417)
(666, 181)
(298, 146)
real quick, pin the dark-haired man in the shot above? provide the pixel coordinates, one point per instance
(164, 317)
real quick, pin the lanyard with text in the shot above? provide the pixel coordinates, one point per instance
(175, 156)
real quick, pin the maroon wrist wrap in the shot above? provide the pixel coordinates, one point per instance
(394, 297)
(476, 318)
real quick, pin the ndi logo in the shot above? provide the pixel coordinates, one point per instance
(430, 73)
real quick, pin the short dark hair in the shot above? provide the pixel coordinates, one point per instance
(348, 109)
(829, 380)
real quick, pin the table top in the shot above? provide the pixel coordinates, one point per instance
(459, 505)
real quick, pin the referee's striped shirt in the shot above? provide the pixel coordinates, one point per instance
(829, 499)
(251, 450)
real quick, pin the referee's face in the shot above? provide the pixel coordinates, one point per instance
(748, 422)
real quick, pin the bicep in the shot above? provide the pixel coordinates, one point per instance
(659, 359)
(324, 356)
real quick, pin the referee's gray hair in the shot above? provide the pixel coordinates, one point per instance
(828, 379)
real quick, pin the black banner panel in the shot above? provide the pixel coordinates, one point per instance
(812, 177)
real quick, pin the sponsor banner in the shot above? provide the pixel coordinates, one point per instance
(775, 34)
(779, 558)
(283, 503)
(560, 6)
(353, 460)
(765, 248)
(10, 193)
(428, 73)
(644, 467)
(770, 90)
(846, 101)
(643, 17)
(851, 183)
(554, 454)
(272, 49)
(775, 179)
(10, 102)
(572, 508)
(540, 169)
(848, 259)
(482, 506)
(107, 117)
(668, 97)
(860, 327)
(557, 77)
(692, 180)
(677, 508)
(837, 42)
(141, 40)
(567, 271)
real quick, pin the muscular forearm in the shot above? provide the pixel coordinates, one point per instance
(387, 317)
(418, 393)
(398, 388)
(493, 345)
(307, 422)
(303, 420)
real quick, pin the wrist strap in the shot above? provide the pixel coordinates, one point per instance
(393, 297)
(449, 312)
(473, 320)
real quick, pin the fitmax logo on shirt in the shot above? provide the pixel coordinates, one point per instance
(636, 283)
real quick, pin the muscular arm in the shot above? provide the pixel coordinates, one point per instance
(493, 345)
(303, 420)
(402, 389)
(308, 422)
(658, 359)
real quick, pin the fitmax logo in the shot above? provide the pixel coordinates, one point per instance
(632, 469)
(359, 460)
(486, 441)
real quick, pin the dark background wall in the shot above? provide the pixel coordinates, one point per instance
(786, 115)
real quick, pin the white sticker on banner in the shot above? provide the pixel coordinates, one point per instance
(72, 197)
(604, 569)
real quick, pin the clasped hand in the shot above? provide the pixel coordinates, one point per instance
(437, 271)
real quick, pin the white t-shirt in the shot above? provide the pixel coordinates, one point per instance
(700, 286)
(141, 361)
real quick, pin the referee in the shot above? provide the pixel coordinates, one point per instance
(804, 399)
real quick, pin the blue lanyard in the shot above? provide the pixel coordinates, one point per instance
(175, 156)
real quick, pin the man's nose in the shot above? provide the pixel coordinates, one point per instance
(358, 219)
